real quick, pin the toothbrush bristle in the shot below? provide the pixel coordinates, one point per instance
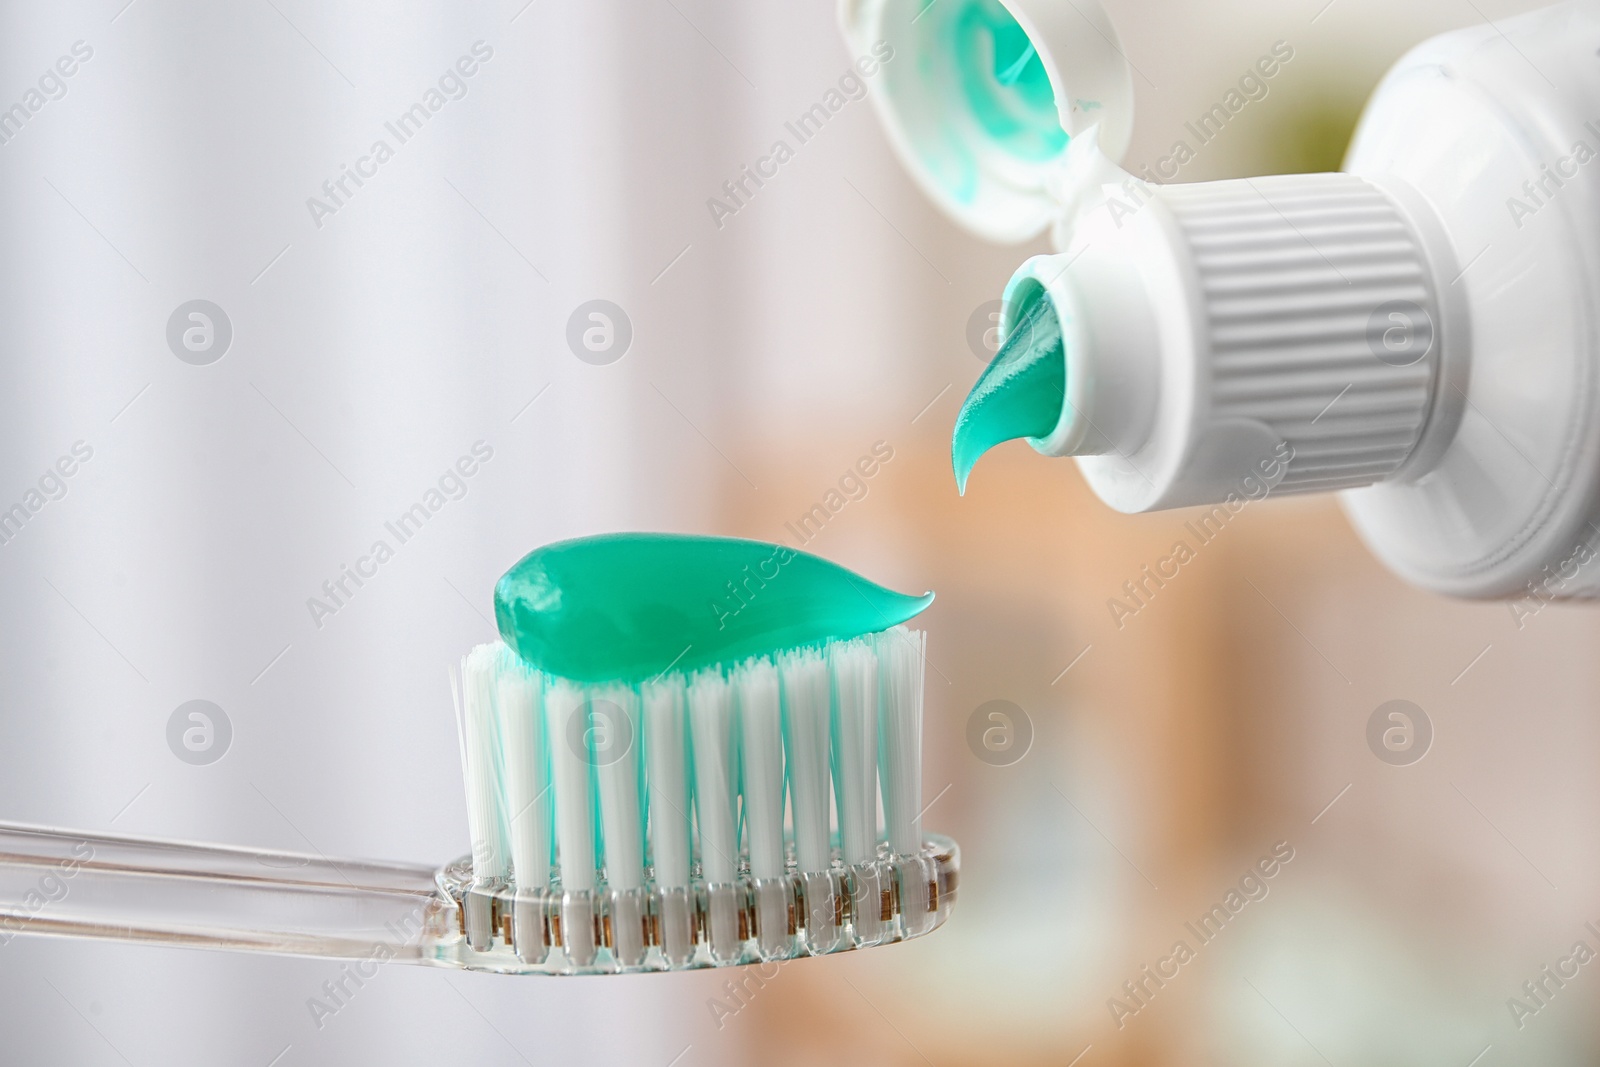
(666, 742)
(716, 772)
(761, 747)
(806, 702)
(900, 659)
(566, 709)
(755, 785)
(481, 751)
(855, 746)
(613, 730)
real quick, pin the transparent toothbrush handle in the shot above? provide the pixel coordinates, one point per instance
(71, 884)
(74, 884)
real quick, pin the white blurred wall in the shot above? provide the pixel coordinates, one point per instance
(373, 352)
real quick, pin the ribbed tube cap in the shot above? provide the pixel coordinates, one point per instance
(1317, 318)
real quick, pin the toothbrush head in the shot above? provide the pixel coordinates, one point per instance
(719, 816)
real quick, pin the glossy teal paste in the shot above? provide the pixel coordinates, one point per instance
(1004, 82)
(1020, 394)
(628, 607)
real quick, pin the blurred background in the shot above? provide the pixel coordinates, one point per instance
(366, 336)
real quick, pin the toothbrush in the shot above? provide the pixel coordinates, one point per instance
(710, 783)
(672, 822)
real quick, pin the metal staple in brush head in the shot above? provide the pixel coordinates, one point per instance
(685, 821)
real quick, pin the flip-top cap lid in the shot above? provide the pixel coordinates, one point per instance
(981, 98)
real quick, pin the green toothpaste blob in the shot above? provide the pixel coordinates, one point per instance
(1022, 392)
(1004, 81)
(628, 607)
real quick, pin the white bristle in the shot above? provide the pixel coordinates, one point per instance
(480, 761)
(614, 730)
(525, 759)
(761, 746)
(666, 743)
(854, 666)
(900, 672)
(716, 774)
(806, 700)
(622, 781)
(564, 703)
